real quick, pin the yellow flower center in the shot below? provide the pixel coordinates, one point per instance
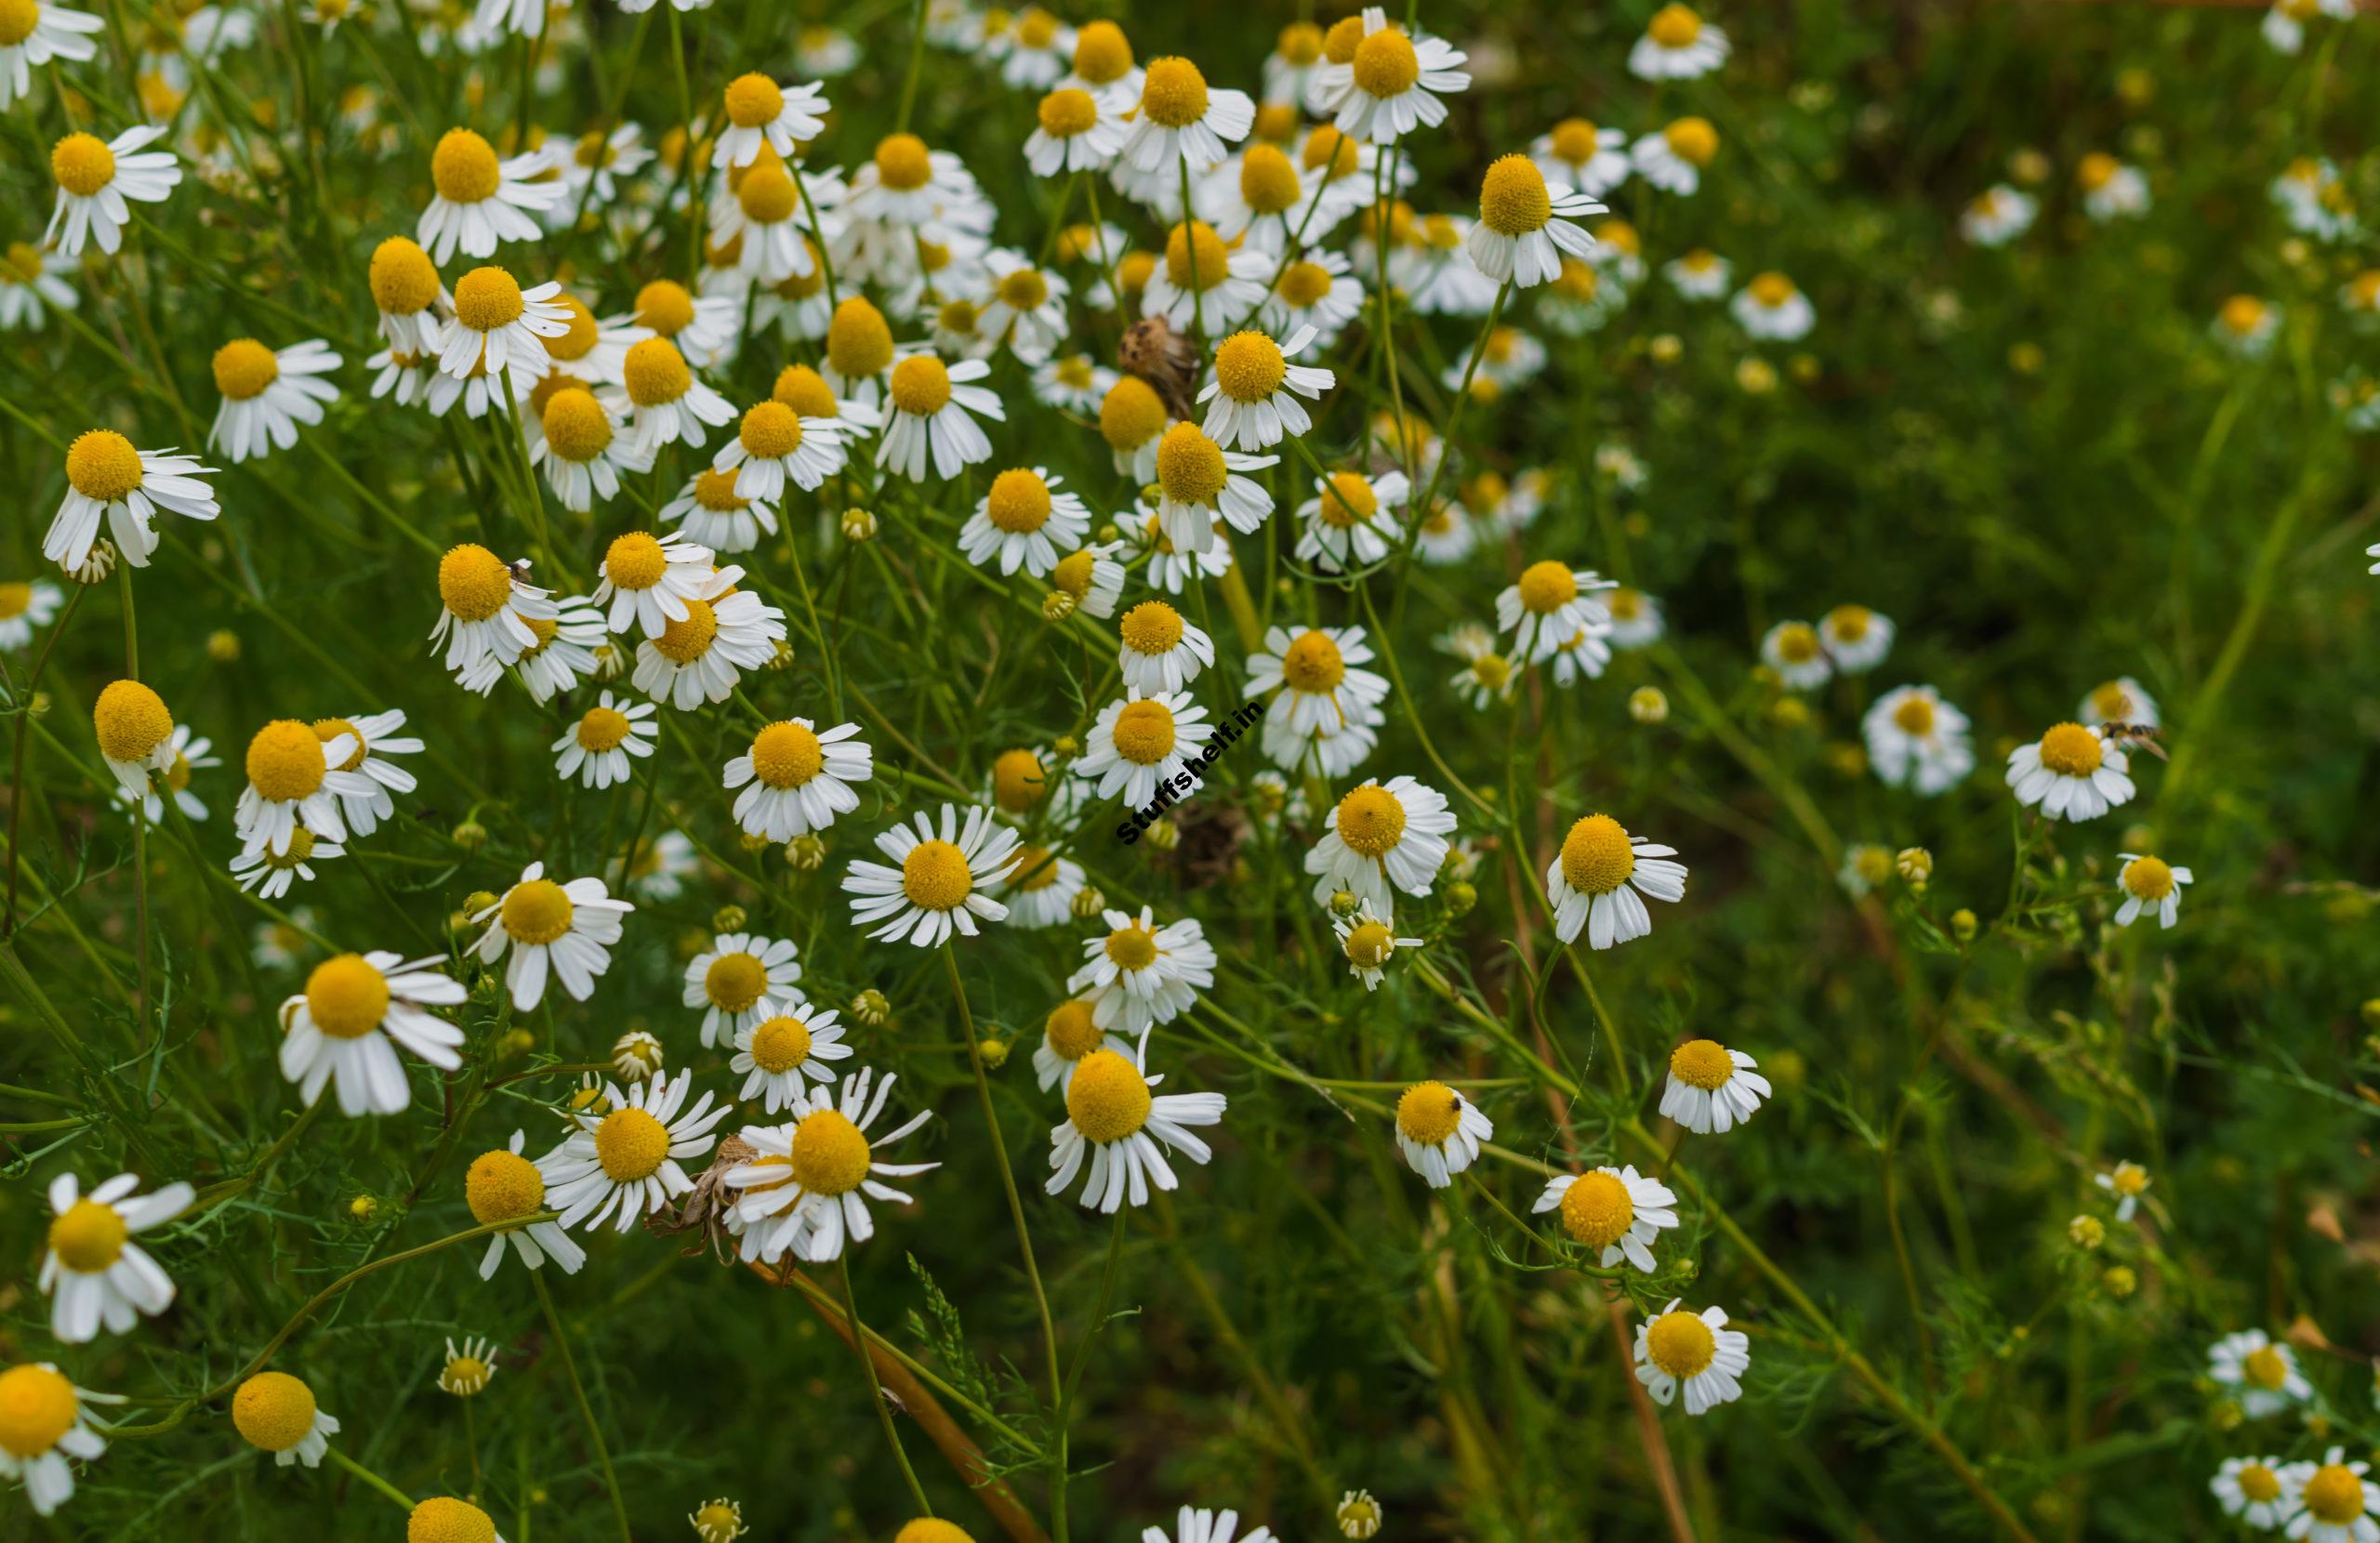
(1300, 44)
(130, 720)
(1132, 414)
(1548, 586)
(1248, 366)
(102, 465)
(1065, 113)
(859, 342)
(1033, 870)
(920, 386)
(1195, 241)
(1103, 53)
(1692, 140)
(935, 877)
(1173, 94)
(2070, 750)
(780, 1045)
(1428, 1113)
(1703, 1063)
(404, 279)
(1190, 467)
(576, 426)
(1681, 1344)
(1512, 197)
(243, 367)
(1151, 627)
(2334, 1494)
(20, 263)
(1385, 64)
(830, 1155)
(753, 101)
(503, 1186)
(1337, 156)
(474, 583)
(1132, 947)
(1597, 856)
(786, 754)
(1304, 284)
(1370, 819)
(1023, 289)
(273, 1410)
(1019, 502)
(635, 561)
(1771, 289)
(18, 19)
(2258, 1482)
(14, 600)
(1339, 42)
(1493, 670)
(1070, 1031)
(1018, 780)
(1144, 732)
(2242, 314)
(301, 847)
(37, 1405)
(1575, 140)
(486, 299)
(655, 373)
(1674, 26)
(771, 431)
(286, 761)
(767, 195)
(1108, 1099)
(1914, 714)
(1267, 181)
(682, 643)
(345, 997)
(82, 164)
(958, 316)
(1369, 944)
(903, 162)
(2096, 171)
(2148, 879)
(715, 491)
(630, 1144)
(1596, 1210)
(805, 392)
(1797, 642)
(1313, 663)
(734, 981)
(442, 1519)
(2266, 1368)
(88, 1237)
(463, 169)
(665, 306)
(604, 729)
(537, 911)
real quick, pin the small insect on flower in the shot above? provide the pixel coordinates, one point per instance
(1439, 1131)
(94, 1273)
(1114, 1121)
(42, 1424)
(1600, 878)
(2073, 774)
(2332, 1501)
(467, 1371)
(106, 477)
(1712, 1089)
(597, 749)
(736, 979)
(1383, 836)
(2119, 701)
(1698, 1351)
(275, 1412)
(621, 1166)
(806, 1190)
(938, 887)
(1616, 1213)
(356, 1012)
(97, 179)
(563, 928)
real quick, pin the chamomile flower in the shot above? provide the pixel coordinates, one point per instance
(564, 654)
(2111, 190)
(1317, 291)
(649, 583)
(1181, 118)
(1855, 637)
(97, 180)
(500, 327)
(807, 1189)
(1348, 525)
(1772, 310)
(43, 1424)
(480, 200)
(1798, 656)
(566, 928)
(736, 977)
(2127, 1182)
(1395, 83)
(1255, 390)
(788, 1039)
(636, 1055)
(1139, 742)
(719, 1521)
(1918, 741)
(1160, 652)
(1069, 1033)
(1601, 877)
(1712, 1089)
(33, 283)
(467, 1371)
(412, 303)
(267, 393)
(937, 886)
(1326, 706)
(1997, 215)
(1202, 286)
(2263, 1371)
(1383, 836)
(596, 168)
(271, 873)
(94, 1273)
(726, 631)
(1367, 943)
(1616, 1213)
(796, 779)
(663, 399)
(1073, 383)
(1040, 887)
(2315, 199)
(1198, 482)
(1132, 419)
(275, 1412)
(35, 33)
(1524, 226)
(1700, 274)
(1113, 1121)
(356, 1012)
(296, 775)
(1024, 306)
(1550, 602)
(1139, 974)
(775, 445)
(662, 866)
(620, 1166)
(1696, 1351)
(1673, 158)
(2247, 327)
(583, 449)
(763, 113)
(2122, 700)
(2073, 774)
(1635, 618)
(2331, 1502)
(1439, 1131)
(106, 477)
(2149, 884)
(933, 411)
(1103, 64)
(1677, 45)
(1092, 579)
(2250, 1488)
(1023, 521)
(1039, 49)
(762, 213)
(598, 748)
(709, 512)
(135, 733)
(1074, 130)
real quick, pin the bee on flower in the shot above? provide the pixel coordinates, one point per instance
(2071, 773)
(2122, 700)
(565, 928)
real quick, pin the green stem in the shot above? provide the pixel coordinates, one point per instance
(874, 1392)
(586, 1410)
(391, 1491)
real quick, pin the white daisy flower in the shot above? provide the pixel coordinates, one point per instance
(1439, 1131)
(583, 450)
(1677, 45)
(356, 1012)
(2073, 774)
(1181, 118)
(595, 170)
(1367, 943)
(1132, 419)
(2111, 190)
(1794, 651)
(1318, 290)
(763, 112)
(271, 873)
(1917, 741)
(937, 887)
(1582, 157)
(182, 753)
(1073, 383)
(1712, 1089)
(775, 445)
(1524, 226)
(787, 1040)
(1997, 215)
(1198, 482)
(1160, 652)
(1696, 1350)
(296, 775)
(1348, 522)
(705, 328)
(1855, 637)
(2250, 1488)
(135, 733)
(1139, 742)
(1023, 521)
(94, 1273)
(2284, 25)
(1092, 579)
(1394, 83)
(1635, 618)
(2149, 884)
(32, 283)
(1024, 306)
(1067, 1036)
(1700, 274)
(726, 631)
(99, 180)
(567, 928)
(709, 512)
(2331, 1502)
(1487, 679)
(46, 1426)
(1039, 887)
(1772, 310)
(662, 867)
(623, 1163)
(267, 393)
(275, 1412)
(736, 979)
(501, 1186)
(106, 477)
(2120, 700)
(1616, 1213)
(498, 327)
(807, 1189)
(663, 399)
(1255, 391)
(2127, 1182)
(636, 1055)
(1201, 285)
(36, 33)
(759, 211)
(2247, 327)
(479, 200)
(1114, 1121)
(1325, 704)
(1550, 604)
(563, 654)
(2263, 1370)
(933, 411)
(1200, 1526)
(1139, 974)
(1383, 836)
(1673, 158)
(797, 780)
(1601, 878)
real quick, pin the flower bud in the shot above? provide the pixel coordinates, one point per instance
(858, 525)
(728, 918)
(1647, 705)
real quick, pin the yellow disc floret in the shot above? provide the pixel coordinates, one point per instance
(1173, 94)
(576, 426)
(345, 997)
(273, 1411)
(1369, 944)
(1428, 1113)
(1196, 257)
(1064, 113)
(131, 721)
(503, 1186)
(1385, 64)
(1674, 26)
(1313, 663)
(1548, 586)
(604, 729)
(767, 195)
(1131, 415)
(537, 911)
(1597, 1210)
(102, 466)
(830, 1155)
(474, 583)
(688, 638)
(1108, 1098)
(655, 373)
(1019, 502)
(786, 754)
(859, 341)
(286, 761)
(734, 981)
(404, 279)
(1913, 716)
(1513, 196)
(805, 390)
(780, 1045)
(444, 1519)
(903, 163)
(1248, 366)
(1072, 1030)
(2334, 1494)
(1103, 54)
(2148, 878)
(1267, 181)
(37, 1405)
(1703, 1063)
(1190, 467)
(2070, 750)
(487, 298)
(464, 167)
(1348, 500)
(753, 101)
(1131, 946)
(1151, 627)
(88, 1237)
(920, 386)
(631, 1145)
(1596, 856)
(1144, 732)
(936, 877)
(770, 431)
(1692, 140)
(1370, 821)
(243, 367)
(82, 164)
(1019, 780)
(1681, 1344)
